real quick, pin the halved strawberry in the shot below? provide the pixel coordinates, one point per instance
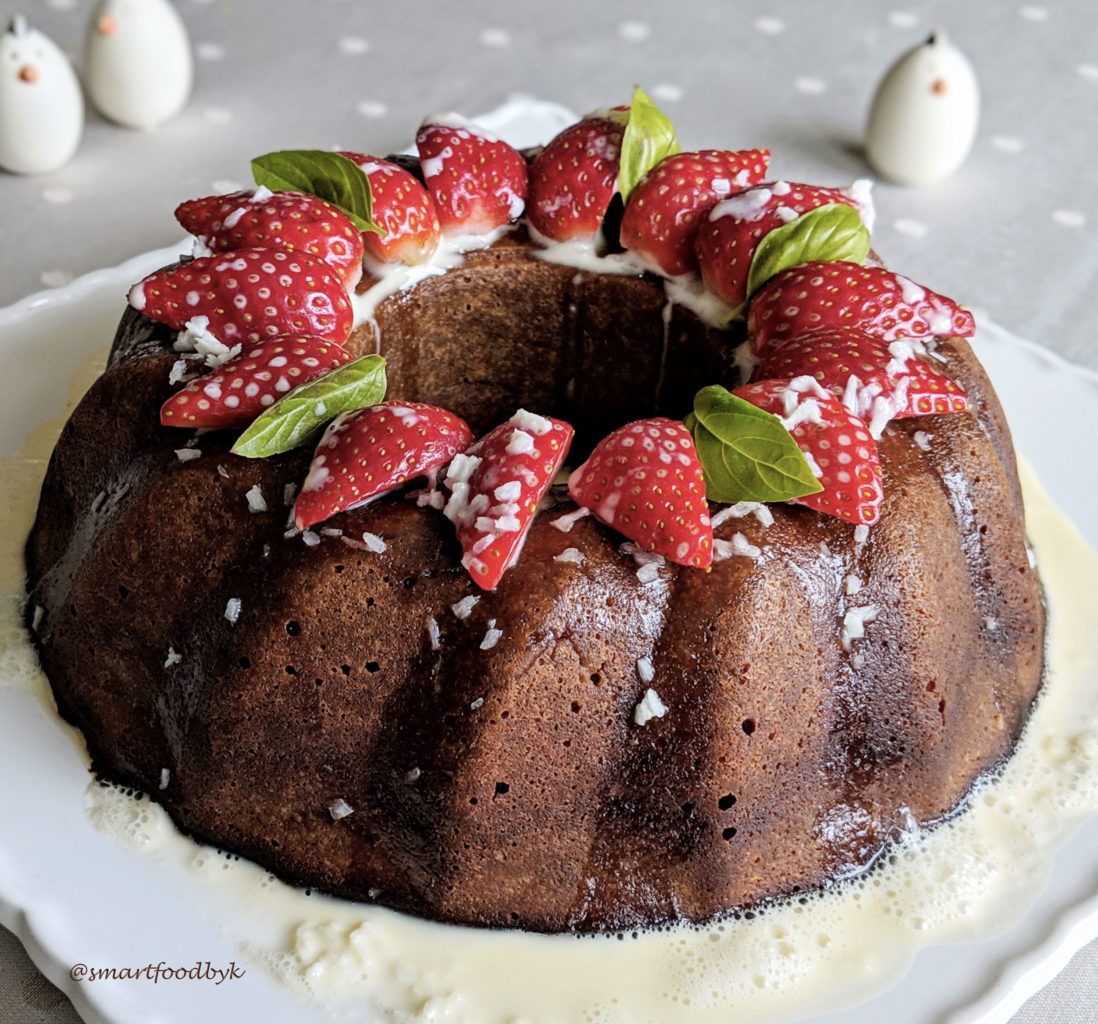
(249, 295)
(876, 380)
(370, 451)
(835, 441)
(645, 481)
(831, 294)
(726, 241)
(402, 208)
(666, 208)
(573, 179)
(241, 388)
(477, 182)
(495, 488)
(277, 220)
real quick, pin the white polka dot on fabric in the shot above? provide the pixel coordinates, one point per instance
(217, 115)
(209, 51)
(223, 185)
(55, 278)
(634, 31)
(57, 194)
(498, 38)
(903, 19)
(353, 45)
(372, 108)
(770, 26)
(1034, 13)
(1088, 70)
(911, 228)
(1070, 218)
(1008, 143)
(810, 86)
(667, 91)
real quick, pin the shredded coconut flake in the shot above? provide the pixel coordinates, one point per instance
(573, 555)
(433, 633)
(852, 584)
(232, 609)
(311, 538)
(645, 670)
(464, 607)
(922, 439)
(256, 501)
(861, 534)
(188, 454)
(289, 493)
(173, 658)
(565, 522)
(339, 808)
(650, 707)
(491, 638)
(165, 778)
(374, 542)
(741, 509)
(854, 623)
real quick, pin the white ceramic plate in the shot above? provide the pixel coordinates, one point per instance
(74, 896)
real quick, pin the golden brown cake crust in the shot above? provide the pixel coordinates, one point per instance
(509, 785)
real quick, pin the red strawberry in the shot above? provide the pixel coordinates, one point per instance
(241, 388)
(573, 179)
(831, 294)
(727, 240)
(478, 182)
(665, 209)
(249, 295)
(495, 488)
(402, 208)
(875, 380)
(277, 220)
(370, 451)
(836, 442)
(645, 481)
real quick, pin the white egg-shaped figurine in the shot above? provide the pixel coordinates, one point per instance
(41, 106)
(924, 116)
(138, 66)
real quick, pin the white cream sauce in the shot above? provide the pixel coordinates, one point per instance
(959, 882)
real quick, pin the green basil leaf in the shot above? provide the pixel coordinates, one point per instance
(746, 453)
(831, 232)
(649, 137)
(330, 176)
(301, 414)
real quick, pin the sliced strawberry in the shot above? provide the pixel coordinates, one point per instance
(402, 208)
(835, 441)
(277, 220)
(495, 488)
(666, 208)
(832, 294)
(371, 451)
(241, 388)
(477, 182)
(573, 179)
(249, 295)
(726, 241)
(645, 481)
(875, 380)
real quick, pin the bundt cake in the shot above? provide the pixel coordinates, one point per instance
(663, 554)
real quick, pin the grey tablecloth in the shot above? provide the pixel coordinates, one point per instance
(1012, 233)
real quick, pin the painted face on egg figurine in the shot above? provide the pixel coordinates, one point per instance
(41, 106)
(138, 67)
